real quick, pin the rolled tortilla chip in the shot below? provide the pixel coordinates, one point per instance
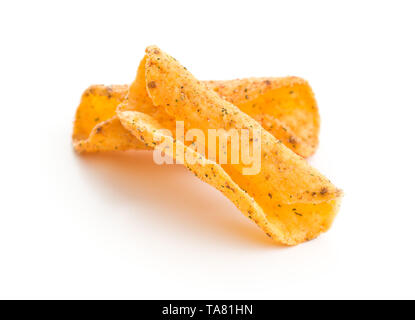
(285, 107)
(96, 127)
(291, 201)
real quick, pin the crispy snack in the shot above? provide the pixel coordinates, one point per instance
(96, 126)
(291, 201)
(285, 107)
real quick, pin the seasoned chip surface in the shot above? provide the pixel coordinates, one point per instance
(283, 106)
(291, 201)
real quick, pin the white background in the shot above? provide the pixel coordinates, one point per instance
(118, 226)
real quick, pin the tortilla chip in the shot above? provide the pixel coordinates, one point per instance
(285, 107)
(96, 127)
(291, 201)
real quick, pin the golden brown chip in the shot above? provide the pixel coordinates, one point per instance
(283, 106)
(96, 126)
(291, 201)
